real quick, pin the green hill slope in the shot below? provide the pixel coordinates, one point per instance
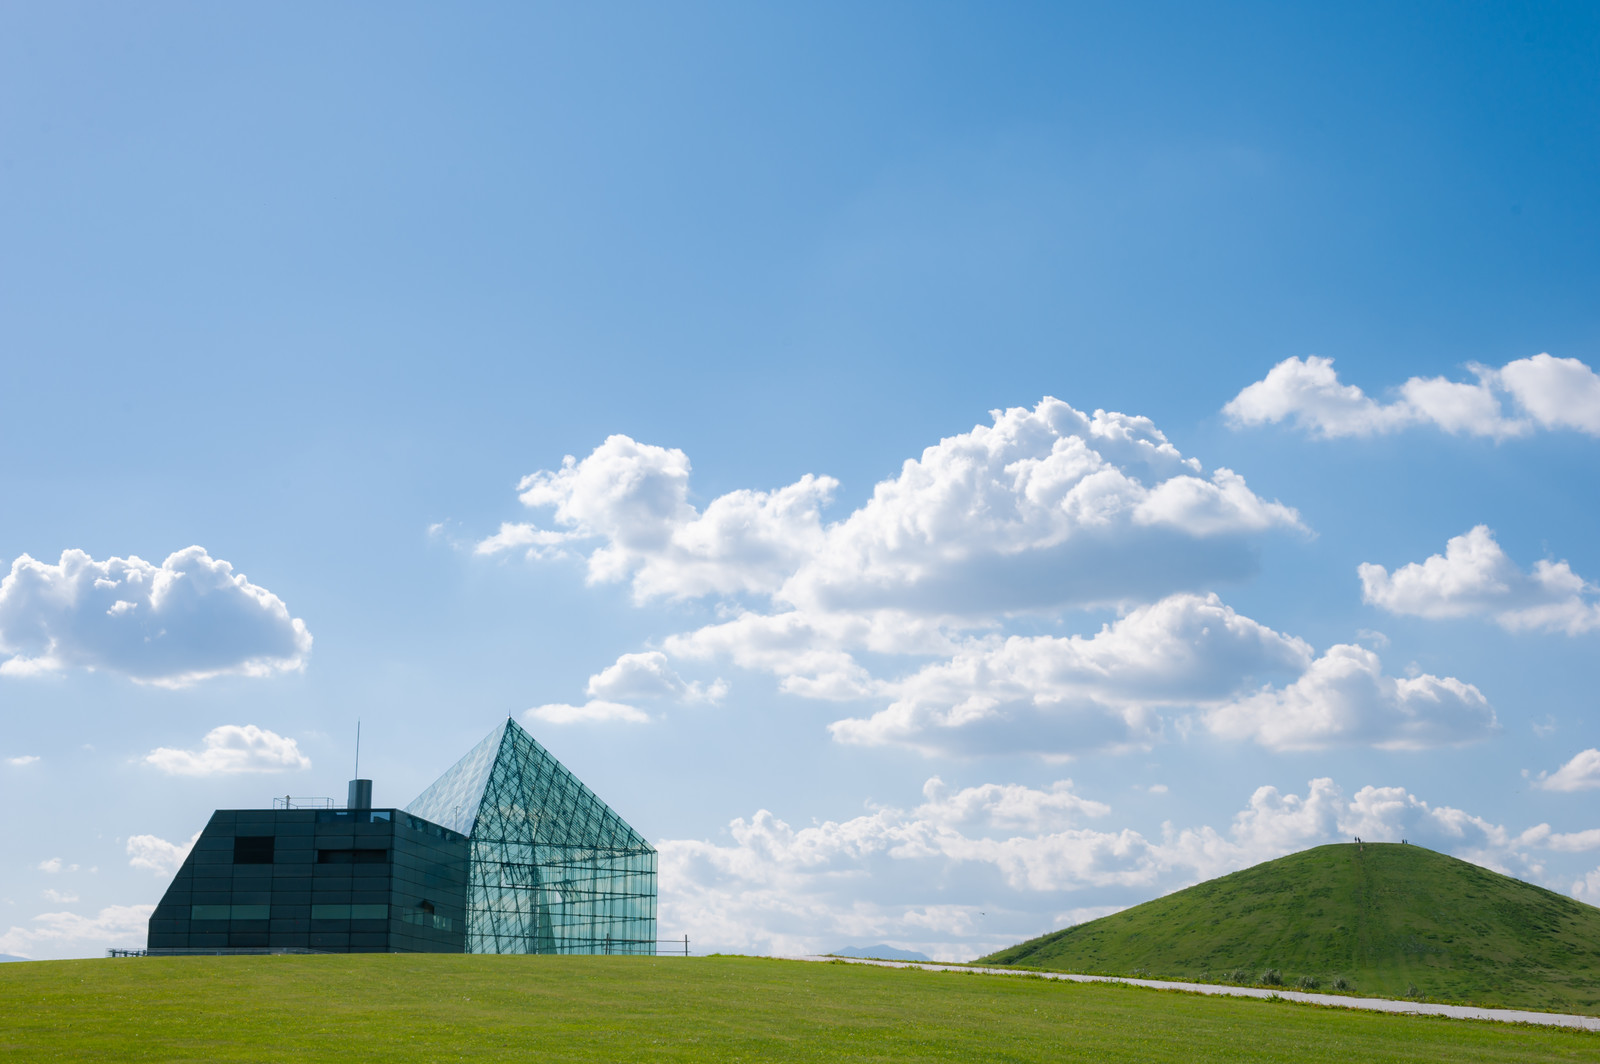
(1390, 920)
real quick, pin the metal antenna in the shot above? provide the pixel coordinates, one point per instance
(358, 748)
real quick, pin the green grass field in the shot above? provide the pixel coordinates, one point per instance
(1385, 918)
(411, 1007)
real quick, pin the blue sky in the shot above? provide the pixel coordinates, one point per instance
(322, 293)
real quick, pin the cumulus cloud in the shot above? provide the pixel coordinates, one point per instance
(1014, 850)
(1062, 694)
(190, 618)
(1573, 841)
(23, 760)
(1582, 773)
(593, 711)
(52, 865)
(1475, 578)
(68, 934)
(778, 889)
(1047, 506)
(1044, 510)
(157, 854)
(230, 749)
(1344, 698)
(626, 509)
(650, 675)
(1514, 400)
(810, 653)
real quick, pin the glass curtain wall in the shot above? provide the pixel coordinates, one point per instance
(552, 868)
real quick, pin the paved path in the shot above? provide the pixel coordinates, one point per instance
(1425, 1008)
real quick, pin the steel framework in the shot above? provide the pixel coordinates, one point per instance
(552, 869)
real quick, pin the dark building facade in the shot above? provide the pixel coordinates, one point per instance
(330, 880)
(507, 852)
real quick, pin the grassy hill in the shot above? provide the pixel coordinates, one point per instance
(402, 1008)
(1390, 920)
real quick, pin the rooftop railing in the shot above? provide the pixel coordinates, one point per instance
(289, 801)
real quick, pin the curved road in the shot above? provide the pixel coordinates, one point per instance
(1424, 1008)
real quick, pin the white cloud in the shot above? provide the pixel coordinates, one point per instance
(1390, 814)
(1582, 773)
(650, 675)
(232, 748)
(157, 854)
(778, 889)
(1556, 392)
(1475, 578)
(537, 542)
(1007, 806)
(1588, 888)
(68, 934)
(1573, 841)
(1048, 506)
(52, 865)
(1528, 393)
(1013, 850)
(592, 712)
(1048, 509)
(806, 651)
(58, 896)
(1058, 695)
(188, 619)
(1344, 698)
(633, 499)
(23, 760)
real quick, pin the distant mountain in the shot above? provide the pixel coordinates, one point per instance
(882, 953)
(8, 957)
(1384, 919)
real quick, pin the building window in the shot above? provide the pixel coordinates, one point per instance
(349, 912)
(424, 916)
(352, 856)
(229, 912)
(252, 849)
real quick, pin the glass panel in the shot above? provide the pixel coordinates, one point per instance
(452, 799)
(349, 912)
(426, 918)
(229, 912)
(353, 816)
(552, 868)
(252, 849)
(352, 856)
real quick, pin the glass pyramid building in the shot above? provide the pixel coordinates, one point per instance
(551, 868)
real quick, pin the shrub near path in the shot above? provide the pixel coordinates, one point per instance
(400, 1008)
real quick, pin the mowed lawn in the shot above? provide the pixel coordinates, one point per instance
(399, 1007)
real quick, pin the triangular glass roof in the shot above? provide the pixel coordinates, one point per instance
(451, 801)
(535, 797)
(551, 868)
